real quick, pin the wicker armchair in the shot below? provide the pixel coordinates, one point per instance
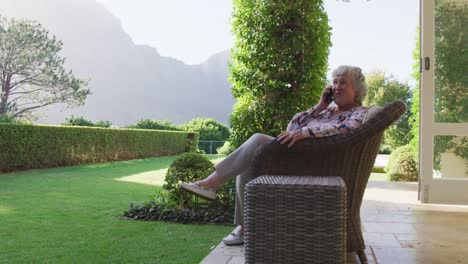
(350, 156)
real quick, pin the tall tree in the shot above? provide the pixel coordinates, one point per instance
(385, 89)
(32, 72)
(279, 63)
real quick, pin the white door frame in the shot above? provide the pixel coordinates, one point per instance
(447, 191)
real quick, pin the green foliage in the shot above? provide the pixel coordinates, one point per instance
(451, 79)
(81, 121)
(279, 62)
(31, 70)
(402, 165)
(383, 90)
(103, 123)
(31, 146)
(385, 149)
(225, 149)
(155, 124)
(77, 121)
(7, 118)
(208, 128)
(191, 167)
(155, 211)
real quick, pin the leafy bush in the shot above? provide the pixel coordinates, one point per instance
(402, 165)
(191, 167)
(384, 89)
(103, 123)
(155, 124)
(8, 119)
(208, 128)
(225, 149)
(81, 121)
(33, 146)
(385, 149)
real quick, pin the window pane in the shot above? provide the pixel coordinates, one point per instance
(451, 60)
(450, 157)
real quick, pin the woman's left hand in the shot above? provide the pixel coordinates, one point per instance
(292, 136)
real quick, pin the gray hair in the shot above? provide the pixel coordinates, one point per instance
(358, 79)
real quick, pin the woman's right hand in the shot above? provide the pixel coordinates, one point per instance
(325, 99)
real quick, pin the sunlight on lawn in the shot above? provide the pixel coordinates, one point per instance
(154, 177)
(5, 210)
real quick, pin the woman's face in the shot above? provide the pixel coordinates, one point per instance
(343, 91)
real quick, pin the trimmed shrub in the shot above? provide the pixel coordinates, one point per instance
(33, 146)
(191, 167)
(402, 165)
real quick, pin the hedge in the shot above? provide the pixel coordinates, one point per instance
(39, 146)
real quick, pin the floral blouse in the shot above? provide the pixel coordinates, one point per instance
(328, 122)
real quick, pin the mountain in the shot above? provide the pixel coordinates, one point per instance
(129, 82)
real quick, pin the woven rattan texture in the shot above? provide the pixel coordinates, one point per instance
(293, 219)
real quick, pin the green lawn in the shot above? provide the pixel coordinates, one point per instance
(70, 215)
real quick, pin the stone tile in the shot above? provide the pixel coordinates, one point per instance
(397, 229)
(222, 249)
(236, 260)
(388, 228)
(381, 240)
(216, 259)
(390, 218)
(405, 255)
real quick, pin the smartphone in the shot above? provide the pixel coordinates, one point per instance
(330, 96)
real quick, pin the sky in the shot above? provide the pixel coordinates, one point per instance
(374, 35)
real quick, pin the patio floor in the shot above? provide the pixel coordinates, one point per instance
(397, 229)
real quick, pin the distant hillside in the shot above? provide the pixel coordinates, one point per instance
(128, 82)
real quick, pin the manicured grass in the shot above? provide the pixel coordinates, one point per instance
(70, 215)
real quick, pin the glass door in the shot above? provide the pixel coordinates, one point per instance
(444, 102)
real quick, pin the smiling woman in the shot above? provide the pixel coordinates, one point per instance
(349, 89)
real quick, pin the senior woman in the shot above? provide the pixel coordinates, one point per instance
(347, 91)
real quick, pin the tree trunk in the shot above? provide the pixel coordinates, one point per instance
(4, 96)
